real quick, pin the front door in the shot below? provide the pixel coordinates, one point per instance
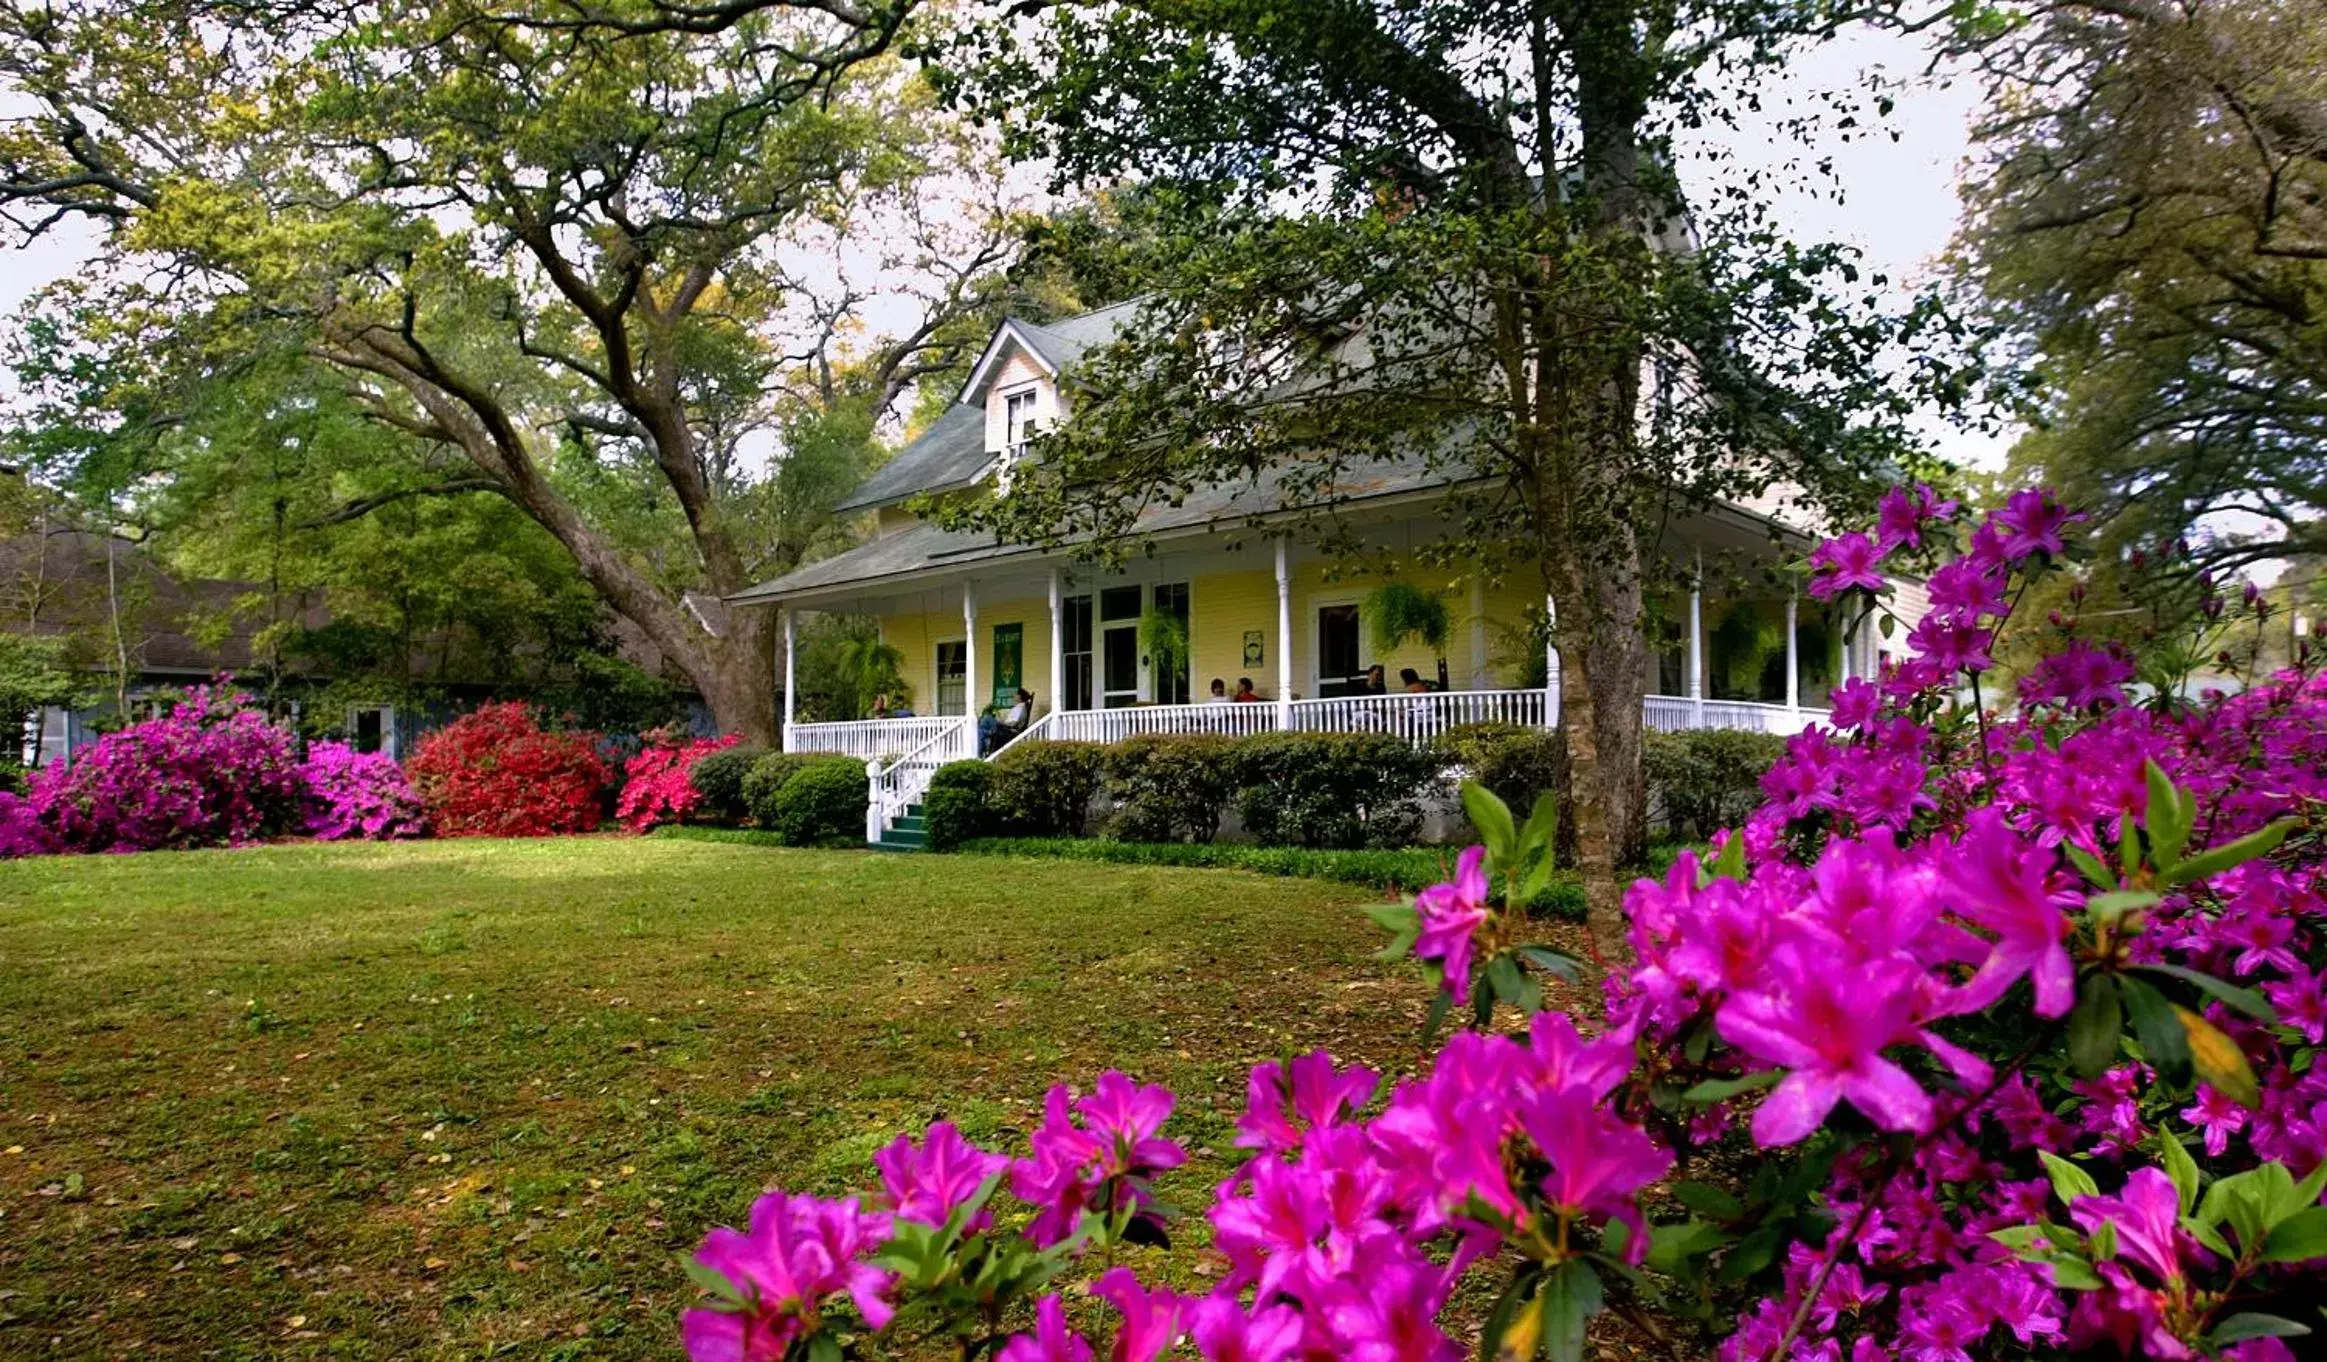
(1119, 647)
(1338, 670)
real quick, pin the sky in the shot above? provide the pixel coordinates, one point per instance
(1898, 205)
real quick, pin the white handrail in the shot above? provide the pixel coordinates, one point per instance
(893, 786)
(1418, 718)
(1038, 731)
(1114, 725)
(870, 738)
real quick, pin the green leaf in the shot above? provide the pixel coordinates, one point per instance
(2093, 1026)
(2071, 1273)
(2218, 1060)
(2019, 1236)
(1569, 1299)
(2163, 1041)
(2068, 1181)
(1730, 864)
(2240, 1327)
(2094, 871)
(1551, 961)
(1709, 1201)
(2236, 1200)
(2118, 902)
(1492, 817)
(1515, 1306)
(2297, 1239)
(1671, 1246)
(2230, 995)
(2208, 1235)
(2169, 816)
(824, 1347)
(1542, 827)
(2180, 1167)
(2128, 847)
(1441, 1003)
(2221, 858)
(1512, 986)
(723, 1293)
(1720, 1089)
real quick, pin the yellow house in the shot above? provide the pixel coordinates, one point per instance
(978, 620)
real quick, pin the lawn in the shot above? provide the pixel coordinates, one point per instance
(475, 1098)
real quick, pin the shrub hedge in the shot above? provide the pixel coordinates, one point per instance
(822, 804)
(1171, 787)
(1044, 789)
(956, 805)
(1405, 869)
(1520, 765)
(1706, 779)
(774, 770)
(1339, 790)
(719, 778)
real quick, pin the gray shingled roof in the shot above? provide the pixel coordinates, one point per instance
(951, 454)
(923, 548)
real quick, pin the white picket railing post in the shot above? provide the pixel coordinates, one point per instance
(1284, 639)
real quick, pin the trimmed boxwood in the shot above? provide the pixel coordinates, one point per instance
(1044, 789)
(1706, 779)
(955, 807)
(1170, 787)
(822, 804)
(774, 770)
(1345, 790)
(719, 778)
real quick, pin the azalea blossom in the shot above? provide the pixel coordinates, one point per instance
(1051, 1341)
(2005, 888)
(798, 1254)
(927, 1183)
(1846, 563)
(1451, 916)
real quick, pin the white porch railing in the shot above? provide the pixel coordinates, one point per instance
(896, 783)
(1114, 725)
(1679, 714)
(1418, 718)
(869, 738)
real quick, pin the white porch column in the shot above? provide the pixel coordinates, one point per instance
(1284, 639)
(1793, 668)
(1058, 647)
(791, 691)
(1479, 677)
(970, 702)
(1552, 718)
(1697, 645)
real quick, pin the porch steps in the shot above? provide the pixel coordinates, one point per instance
(908, 833)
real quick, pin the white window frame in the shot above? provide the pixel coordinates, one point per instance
(1317, 636)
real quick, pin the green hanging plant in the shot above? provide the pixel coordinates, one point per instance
(1397, 611)
(1163, 636)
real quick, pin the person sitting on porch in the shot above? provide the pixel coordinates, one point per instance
(1219, 692)
(994, 733)
(1412, 681)
(1376, 681)
(882, 709)
(1245, 694)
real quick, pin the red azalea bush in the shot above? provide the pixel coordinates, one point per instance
(496, 772)
(210, 772)
(2010, 1023)
(659, 781)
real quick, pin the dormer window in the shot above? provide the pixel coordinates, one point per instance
(1017, 422)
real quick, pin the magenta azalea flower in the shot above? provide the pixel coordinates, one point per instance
(1902, 515)
(799, 1253)
(926, 1184)
(1389, 1312)
(1225, 1332)
(1274, 1121)
(1451, 916)
(1998, 884)
(1844, 563)
(1103, 1164)
(1051, 1341)
(2031, 522)
(2147, 1215)
(1598, 1161)
(1151, 1319)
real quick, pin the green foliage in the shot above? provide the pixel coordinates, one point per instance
(33, 675)
(1403, 870)
(1706, 779)
(822, 804)
(1163, 636)
(844, 666)
(1170, 787)
(1044, 789)
(774, 770)
(1397, 611)
(1519, 764)
(1342, 790)
(955, 806)
(719, 778)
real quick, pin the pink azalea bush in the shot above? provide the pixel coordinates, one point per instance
(351, 794)
(2010, 1020)
(210, 772)
(659, 781)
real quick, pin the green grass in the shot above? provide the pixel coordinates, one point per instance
(462, 1099)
